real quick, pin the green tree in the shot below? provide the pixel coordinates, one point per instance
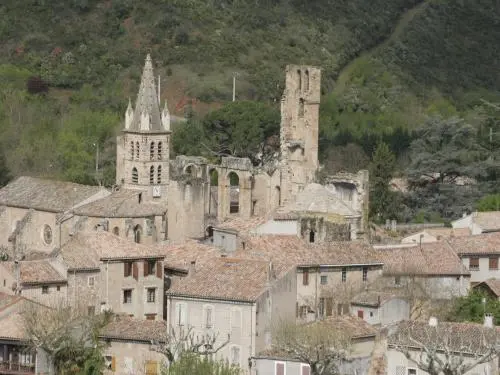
(381, 171)
(489, 202)
(194, 364)
(471, 308)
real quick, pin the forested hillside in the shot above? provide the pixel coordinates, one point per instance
(68, 67)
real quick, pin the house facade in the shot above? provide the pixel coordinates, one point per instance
(379, 308)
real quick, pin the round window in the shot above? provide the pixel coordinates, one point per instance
(47, 234)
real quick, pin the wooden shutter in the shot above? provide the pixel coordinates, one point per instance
(305, 278)
(135, 271)
(159, 270)
(493, 263)
(151, 368)
(280, 368)
(113, 364)
(474, 263)
(360, 314)
(146, 268)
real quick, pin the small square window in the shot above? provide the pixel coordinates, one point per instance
(151, 267)
(127, 296)
(45, 289)
(58, 288)
(371, 314)
(151, 292)
(324, 280)
(91, 281)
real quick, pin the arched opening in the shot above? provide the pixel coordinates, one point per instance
(312, 236)
(301, 108)
(234, 193)
(152, 151)
(189, 170)
(137, 153)
(277, 196)
(210, 231)
(151, 175)
(187, 192)
(160, 147)
(135, 176)
(132, 150)
(116, 231)
(307, 81)
(137, 233)
(299, 79)
(158, 177)
(214, 191)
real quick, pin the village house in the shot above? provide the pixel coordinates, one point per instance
(380, 308)
(479, 254)
(129, 346)
(236, 299)
(40, 280)
(435, 234)
(452, 342)
(328, 274)
(108, 272)
(362, 336)
(479, 222)
(16, 358)
(432, 270)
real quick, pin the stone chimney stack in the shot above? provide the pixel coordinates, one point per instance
(488, 321)
(17, 275)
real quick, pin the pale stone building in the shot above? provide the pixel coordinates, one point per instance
(237, 299)
(380, 308)
(479, 222)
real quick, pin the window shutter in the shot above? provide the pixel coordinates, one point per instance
(159, 270)
(146, 266)
(113, 364)
(135, 271)
(306, 370)
(305, 278)
(280, 368)
(360, 314)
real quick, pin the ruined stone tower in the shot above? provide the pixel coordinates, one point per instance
(299, 129)
(142, 160)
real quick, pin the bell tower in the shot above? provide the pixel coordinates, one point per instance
(299, 129)
(142, 160)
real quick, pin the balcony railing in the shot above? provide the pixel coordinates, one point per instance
(16, 368)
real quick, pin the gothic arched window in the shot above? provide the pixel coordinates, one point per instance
(151, 175)
(135, 176)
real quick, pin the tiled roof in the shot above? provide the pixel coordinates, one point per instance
(11, 327)
(45, 195)
(122, 203)
(242, 225)
(86, 249)
(227, 279)
(486, 243)
(125, 328)
(293, 250)
(448, 232)
(7, 300)
(487, 220)
(181, 255)
(430, 259)
(315, 198)
(372, 298)
(458, 336)
(493, 284)
(36, 272)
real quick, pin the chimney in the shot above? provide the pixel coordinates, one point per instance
(270, 272)
(488, 321)
(433, 322)
(192, 266)
(17, 275)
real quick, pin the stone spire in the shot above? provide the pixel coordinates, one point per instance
(146, 117)
(129, 115)
(165, 118)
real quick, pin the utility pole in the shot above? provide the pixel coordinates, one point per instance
(234, 86)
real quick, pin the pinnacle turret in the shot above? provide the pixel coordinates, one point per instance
(146, 117)
(165, 117)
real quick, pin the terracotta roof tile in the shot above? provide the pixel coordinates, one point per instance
(11, 327)
(487, 220)
(293, 250)
(125, 328)
(45, 195)
(486, 243)
(372, 298)
(181, 255)
(242, 225)
(123, 203)
(227, 279)
(36, 272)
(86, 249)
(431, 259)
